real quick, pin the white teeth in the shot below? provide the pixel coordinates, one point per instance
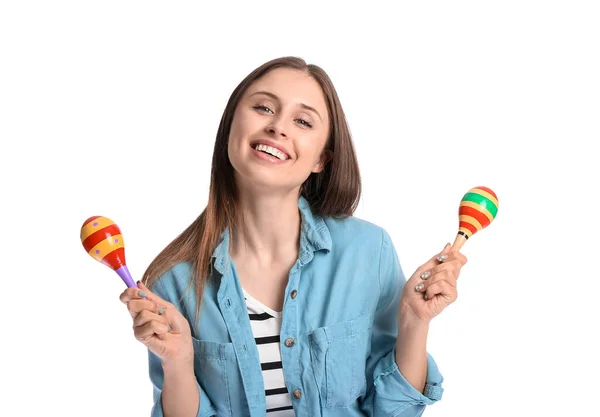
(270, 150)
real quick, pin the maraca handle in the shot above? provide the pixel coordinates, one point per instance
(126, 277)
(459, 241)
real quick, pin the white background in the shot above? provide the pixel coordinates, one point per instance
(111, 108)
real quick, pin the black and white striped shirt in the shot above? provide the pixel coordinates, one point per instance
(266, 327)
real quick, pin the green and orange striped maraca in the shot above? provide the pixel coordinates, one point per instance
(477, 209)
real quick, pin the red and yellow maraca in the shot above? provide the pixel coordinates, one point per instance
(103, 241)
(477, 210)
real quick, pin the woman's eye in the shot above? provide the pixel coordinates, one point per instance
(304, 122)
(265, 108)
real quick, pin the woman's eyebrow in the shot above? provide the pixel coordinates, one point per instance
(274, 97)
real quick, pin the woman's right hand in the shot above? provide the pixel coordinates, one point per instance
(159, 326)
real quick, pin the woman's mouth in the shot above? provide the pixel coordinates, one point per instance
(270, 150)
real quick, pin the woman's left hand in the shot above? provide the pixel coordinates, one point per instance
(432, 287)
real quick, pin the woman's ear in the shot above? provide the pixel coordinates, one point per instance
(325, 157)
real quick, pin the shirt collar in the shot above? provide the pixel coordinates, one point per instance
(314, 236)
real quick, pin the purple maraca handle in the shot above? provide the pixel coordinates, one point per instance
(126, 277)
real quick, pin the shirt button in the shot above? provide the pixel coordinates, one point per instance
(297, 394)
(294, 294)
(289, 342)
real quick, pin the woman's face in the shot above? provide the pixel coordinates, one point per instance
(278, 132)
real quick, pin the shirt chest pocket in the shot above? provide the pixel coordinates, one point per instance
(215, 366)
(338, 358)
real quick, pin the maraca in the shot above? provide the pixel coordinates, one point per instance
(476, 211)
(102, 240)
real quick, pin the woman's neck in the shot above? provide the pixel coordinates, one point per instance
(268, 227)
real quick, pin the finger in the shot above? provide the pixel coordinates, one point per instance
(444, 275)
(452, 267)
(142, 292)
(146, 316)
(451, 255)
(454, 255)
(145, 332)
(132, 294)
(150, 295)
(135, 307)
(442, 289)
(174, 319)
(444, 254)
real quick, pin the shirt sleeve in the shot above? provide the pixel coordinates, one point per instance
(206, 408)
(390, 394)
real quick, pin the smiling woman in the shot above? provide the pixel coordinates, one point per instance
(289, 126)
(300, 308)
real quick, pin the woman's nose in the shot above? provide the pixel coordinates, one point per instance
(276, 127)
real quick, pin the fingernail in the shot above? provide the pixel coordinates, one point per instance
(419, 287)
(425, 297)
(142, 293)
(442, 258)
(160, 310)
(425, 275)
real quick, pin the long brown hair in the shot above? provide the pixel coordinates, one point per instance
(335, 191)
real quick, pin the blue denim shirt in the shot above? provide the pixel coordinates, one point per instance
(343, 321)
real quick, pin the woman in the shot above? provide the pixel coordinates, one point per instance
(297, 307)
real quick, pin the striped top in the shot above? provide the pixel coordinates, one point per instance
(266, 327)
